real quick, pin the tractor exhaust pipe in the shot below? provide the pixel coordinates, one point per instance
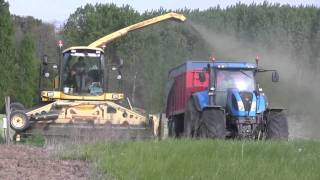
(211, 87)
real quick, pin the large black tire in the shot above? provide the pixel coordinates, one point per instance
(16, 106)
(191, 119)
(170, 128)
(175, 126)
(178, 126)
(19, 121)
(277, 125)
(212, 124)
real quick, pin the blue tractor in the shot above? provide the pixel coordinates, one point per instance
(232, 106)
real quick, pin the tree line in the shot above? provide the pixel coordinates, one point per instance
(23, 40)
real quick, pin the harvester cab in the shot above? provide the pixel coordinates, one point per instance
(80, 98)
(82, 74)
(225, 101)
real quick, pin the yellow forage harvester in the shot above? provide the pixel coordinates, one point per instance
(79, 103)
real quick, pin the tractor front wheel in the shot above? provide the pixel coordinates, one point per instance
(212, 124)
(277, 125)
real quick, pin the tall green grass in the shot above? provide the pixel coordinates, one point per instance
(203, 159)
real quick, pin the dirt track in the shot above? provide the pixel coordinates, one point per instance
(24, 162)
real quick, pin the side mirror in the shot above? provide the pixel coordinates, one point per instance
(275, 76)
(202, 76)
(120, 63)
(45, 71)
(45, 60)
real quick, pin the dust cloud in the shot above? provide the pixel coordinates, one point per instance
(297, 89)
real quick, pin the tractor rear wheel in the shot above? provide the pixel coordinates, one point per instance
(277, 125)
(212, 124)
(191, 118)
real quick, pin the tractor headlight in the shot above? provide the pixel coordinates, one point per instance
(253, 106)
(240, 106)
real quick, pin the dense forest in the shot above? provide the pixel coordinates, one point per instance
(286, 38)
(23, 41)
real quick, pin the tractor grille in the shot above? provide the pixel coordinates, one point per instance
(246, 98)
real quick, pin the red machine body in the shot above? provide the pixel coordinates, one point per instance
(184, 80)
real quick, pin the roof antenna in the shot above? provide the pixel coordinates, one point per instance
(212, 57)
(257, 60)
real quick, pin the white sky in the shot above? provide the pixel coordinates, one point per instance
(59, 10)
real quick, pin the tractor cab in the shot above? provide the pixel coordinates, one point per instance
(233, 77)
(82, 72)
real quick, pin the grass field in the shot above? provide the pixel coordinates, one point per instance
(203, 159)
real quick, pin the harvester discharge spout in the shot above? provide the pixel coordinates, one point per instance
(122, 32)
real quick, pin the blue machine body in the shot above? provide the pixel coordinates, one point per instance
(238, 103)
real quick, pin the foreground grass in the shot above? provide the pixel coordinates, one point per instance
(203, 159)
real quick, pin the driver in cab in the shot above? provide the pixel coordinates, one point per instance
(78, 71)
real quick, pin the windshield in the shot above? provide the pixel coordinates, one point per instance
(243, 80)
(82, 74)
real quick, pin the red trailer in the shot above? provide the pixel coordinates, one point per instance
(183, 81)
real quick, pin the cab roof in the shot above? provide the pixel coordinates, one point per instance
(82, 48)
(219, 64)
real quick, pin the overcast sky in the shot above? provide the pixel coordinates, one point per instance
(59, 10)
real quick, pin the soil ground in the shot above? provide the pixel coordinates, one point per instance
(26, 162)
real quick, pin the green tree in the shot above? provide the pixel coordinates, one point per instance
(27, 74)
(7, 48)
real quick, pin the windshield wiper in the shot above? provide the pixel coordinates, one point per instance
(246, 74)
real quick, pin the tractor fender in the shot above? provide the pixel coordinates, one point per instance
(201, 100)
(275, 109)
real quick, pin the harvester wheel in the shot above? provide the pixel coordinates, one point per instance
(277, 125)
(191, 118)
(16, 106)
(19, 121)
(212, 124)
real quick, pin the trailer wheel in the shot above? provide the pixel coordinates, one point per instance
(19, 121)
(175, 126)
(212, 124)
(277, 125)
(170, 128)
(191, 118)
